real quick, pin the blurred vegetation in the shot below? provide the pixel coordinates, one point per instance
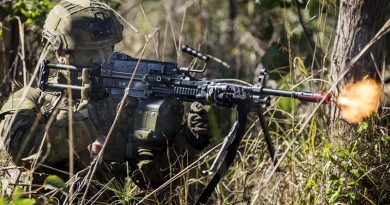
(292, 40)
(30, 12)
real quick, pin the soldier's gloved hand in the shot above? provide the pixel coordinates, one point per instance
(198, 125)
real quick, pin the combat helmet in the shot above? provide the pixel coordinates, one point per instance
(81, 24)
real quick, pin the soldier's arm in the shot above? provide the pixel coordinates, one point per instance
(30, 128)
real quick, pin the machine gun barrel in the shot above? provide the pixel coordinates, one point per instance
(158, 80)
(303, 96)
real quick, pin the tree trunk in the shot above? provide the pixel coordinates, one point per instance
(9, 44)
(358, 22)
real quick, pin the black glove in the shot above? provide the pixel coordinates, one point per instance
(198, 126)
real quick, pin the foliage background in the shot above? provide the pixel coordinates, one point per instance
(292, 40)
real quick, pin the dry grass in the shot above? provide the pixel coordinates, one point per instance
(318, 168)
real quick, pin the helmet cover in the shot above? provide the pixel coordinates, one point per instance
(82, 24)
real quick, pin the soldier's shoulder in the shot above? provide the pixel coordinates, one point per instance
(29, 92)
(25, 98)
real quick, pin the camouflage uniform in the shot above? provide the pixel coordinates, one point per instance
(151, 135)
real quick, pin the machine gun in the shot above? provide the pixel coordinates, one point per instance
(158, 80)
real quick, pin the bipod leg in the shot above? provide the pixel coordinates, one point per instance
(267, 138)
(242, 113)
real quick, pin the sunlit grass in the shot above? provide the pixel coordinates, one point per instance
(317, 168)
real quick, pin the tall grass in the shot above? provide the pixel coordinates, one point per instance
(317, 168)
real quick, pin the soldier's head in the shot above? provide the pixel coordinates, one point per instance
(82, 32)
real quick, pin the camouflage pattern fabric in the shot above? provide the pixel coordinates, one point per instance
(151, 135)
(29, 126)
(154, 161)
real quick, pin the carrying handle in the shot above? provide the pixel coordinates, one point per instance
(195, 53)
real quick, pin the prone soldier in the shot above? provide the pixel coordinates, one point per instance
(151, 134)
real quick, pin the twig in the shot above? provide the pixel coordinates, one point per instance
(309, 42)
(95, 197)
(70, 142)
(181, 31)
(150, 27)
(165, 38)
(54, 169)
(46, 136)
(23, 53)
(172, 30)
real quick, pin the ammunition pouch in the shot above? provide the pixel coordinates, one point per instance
(158, 121)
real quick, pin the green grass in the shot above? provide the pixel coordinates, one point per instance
(318, 168)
